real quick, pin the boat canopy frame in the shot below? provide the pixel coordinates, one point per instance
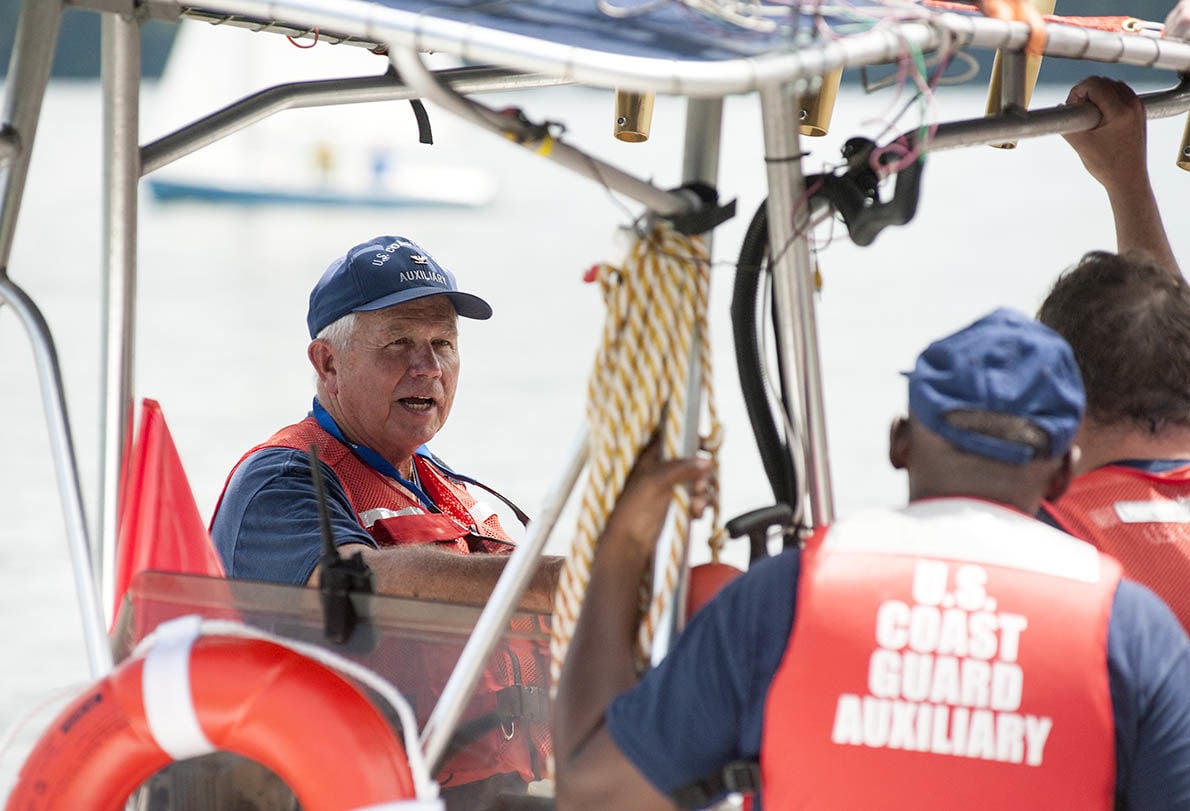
(506, 60)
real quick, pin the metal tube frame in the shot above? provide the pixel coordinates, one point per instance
(399, 29)
(28, 77)
(493, 620)
(664, 203)
(1047, 121)
(700, 163)
(120, 72)
(296, 95)
(793, 293)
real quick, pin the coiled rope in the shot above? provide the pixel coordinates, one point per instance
(639, 385)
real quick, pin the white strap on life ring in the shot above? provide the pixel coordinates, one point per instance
(435, 804)
(165, 686)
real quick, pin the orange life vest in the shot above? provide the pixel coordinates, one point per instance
(949, 655)
(1140, 518)
(513, 693)
(391, 514)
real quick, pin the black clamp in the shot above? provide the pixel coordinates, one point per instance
(527, 703)
(855, 193)
(756, 524)
(707, 215)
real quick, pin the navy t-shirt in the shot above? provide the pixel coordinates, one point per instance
(267, 526)
(703, 706)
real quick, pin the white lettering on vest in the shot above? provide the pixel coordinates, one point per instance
(944, 676)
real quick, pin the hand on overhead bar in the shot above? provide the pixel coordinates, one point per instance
(1177, 24)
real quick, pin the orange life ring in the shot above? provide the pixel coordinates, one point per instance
(187, 697)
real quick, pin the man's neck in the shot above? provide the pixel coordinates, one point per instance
(331, 419)
(1102, 444)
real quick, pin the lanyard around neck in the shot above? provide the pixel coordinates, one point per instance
(370, 457)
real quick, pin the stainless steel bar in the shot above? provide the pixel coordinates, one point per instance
(664, 203)
(1047, 121)
(49, 376)
(28, 74)
(296, 95)
(120, 72)
(423, 32)
(793, 286)
(700, 163)
(673, 618)
(493, 620)
(700, 152)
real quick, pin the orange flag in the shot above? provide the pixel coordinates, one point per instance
(159, 525)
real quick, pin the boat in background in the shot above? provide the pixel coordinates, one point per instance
(358, 155)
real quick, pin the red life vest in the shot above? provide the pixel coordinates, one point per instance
(513, 692)
(391, 514)
(949, 655)
(1140, 518)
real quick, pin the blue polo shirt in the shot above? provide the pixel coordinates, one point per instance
(268, 527)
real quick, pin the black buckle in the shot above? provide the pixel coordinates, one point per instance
(528, 703)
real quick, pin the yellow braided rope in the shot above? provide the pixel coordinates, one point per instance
(656, 310)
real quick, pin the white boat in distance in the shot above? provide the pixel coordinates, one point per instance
(357, 155)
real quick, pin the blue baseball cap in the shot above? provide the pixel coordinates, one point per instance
(380, 273)
(1004, 363)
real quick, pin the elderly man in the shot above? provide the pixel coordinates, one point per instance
(1127, 318)
(956, 653)
(385, 348)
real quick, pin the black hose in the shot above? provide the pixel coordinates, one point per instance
(774, 450)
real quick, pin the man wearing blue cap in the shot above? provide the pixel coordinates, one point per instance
(384, 344)
(955, 653)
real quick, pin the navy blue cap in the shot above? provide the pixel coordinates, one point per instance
(1004, 363)
(380, 273)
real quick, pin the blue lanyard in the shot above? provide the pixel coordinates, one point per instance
(370, 457)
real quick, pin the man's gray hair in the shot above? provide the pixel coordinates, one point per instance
(338, 333)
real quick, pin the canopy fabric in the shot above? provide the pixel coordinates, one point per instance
(685, 47)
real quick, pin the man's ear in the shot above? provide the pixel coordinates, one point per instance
(899, 442)
(322, 358)
(1060, 479)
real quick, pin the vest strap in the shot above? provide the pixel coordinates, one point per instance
(528, 703)
(739, 776)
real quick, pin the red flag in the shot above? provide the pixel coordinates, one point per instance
(159, 525)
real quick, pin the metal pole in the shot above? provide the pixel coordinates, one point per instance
(673, 618)
(327, 92)
(1047, 121)
(700, 162)
(28, 75)
(663, 203)
(493, 620)
(49, 375)
(120, 71)
(797, 331)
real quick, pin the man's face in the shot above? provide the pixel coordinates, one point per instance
(394, 383)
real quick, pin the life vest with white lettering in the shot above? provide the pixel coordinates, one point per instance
(506, 726)
(949, 655)
(1142, 519)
